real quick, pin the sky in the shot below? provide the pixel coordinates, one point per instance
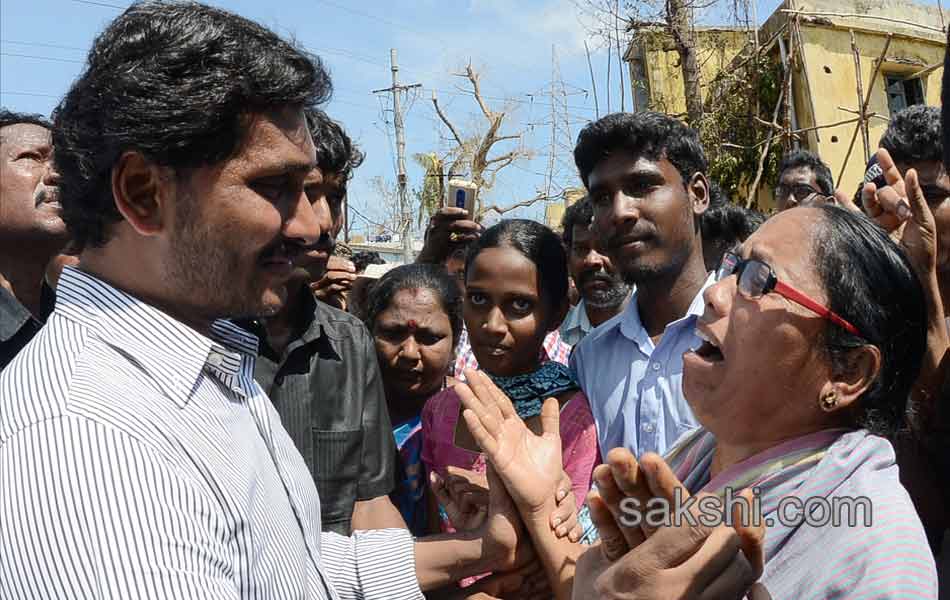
(43, 45)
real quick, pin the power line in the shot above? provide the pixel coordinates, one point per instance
(341, 52)
(36, 94)
(51, 58)
(376, 18)
(501, 99)
(43, 44)
(106, 4)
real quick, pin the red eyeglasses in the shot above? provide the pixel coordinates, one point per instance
(757, 278)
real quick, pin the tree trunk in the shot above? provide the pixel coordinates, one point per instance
(680, 20)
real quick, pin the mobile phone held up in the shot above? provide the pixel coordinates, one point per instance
(462, 195)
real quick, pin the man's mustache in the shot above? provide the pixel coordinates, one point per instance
(324, 243)
(591, 276)
(45, 194)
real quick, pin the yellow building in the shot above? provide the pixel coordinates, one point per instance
(824, 80)
(554, 211)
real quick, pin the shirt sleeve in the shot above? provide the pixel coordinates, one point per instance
(378, 461)
(371, 564)
(87, 511)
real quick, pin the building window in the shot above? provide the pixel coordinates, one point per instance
(902, 92)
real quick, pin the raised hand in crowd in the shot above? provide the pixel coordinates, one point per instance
(338, 280)
(448, 227)
(722, 562)
(902, 210)
(504, 546)
(463, 494)
(677, 560)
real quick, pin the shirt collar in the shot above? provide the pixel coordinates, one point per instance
(577, 319)
(13, 315)
(632, 327)
(316, 314)
(172, 353)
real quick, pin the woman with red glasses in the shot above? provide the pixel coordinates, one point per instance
(814, 334)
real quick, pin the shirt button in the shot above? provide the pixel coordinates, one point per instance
(214, 360)
(648, 427)
(656, 366)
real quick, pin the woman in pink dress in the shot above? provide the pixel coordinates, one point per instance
(516, 284)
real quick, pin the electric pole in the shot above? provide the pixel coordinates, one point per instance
(405, 216)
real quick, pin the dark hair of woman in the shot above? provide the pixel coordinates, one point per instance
(417, 276)
(538, 244)
(870, 282)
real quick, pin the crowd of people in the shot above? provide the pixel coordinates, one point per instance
(205, 394)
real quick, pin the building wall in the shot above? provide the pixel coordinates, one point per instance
(661, 64)
(831, 72)
(829, 80)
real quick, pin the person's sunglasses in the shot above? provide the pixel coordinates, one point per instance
(757, 278)
(804, 194)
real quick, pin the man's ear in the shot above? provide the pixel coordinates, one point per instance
(142, 191)
(698, 189)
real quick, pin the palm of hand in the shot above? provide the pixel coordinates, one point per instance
(919, 241)
(529, 464)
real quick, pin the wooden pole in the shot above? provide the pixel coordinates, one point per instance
(593, 83)
(754, 190)
(864, 107)
(796, 31)
(865, 135)
(789, 98)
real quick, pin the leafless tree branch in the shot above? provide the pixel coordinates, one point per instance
(445, 120)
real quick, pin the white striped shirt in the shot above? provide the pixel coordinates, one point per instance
(139, 459)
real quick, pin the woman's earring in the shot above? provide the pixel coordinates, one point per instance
(829, 401)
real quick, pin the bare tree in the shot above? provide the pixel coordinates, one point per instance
(679, 23)
(474, 154)
(676, 18)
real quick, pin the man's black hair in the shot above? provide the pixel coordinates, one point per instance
(361, 260)
(336, 152)
(914, 135)
(649, 134)
(945, 103)
(581, 213)
(717, 197)
(9, 117)
(809, 160)
(724, 226)
(174, 82)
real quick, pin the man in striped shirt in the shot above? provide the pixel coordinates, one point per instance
(138, 456)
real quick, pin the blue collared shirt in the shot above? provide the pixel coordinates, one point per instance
(635, 388)
(576, 324)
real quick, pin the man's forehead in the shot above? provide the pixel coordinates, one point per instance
(620, 163)
(798, 175)
(280, 137)
(25, 134)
